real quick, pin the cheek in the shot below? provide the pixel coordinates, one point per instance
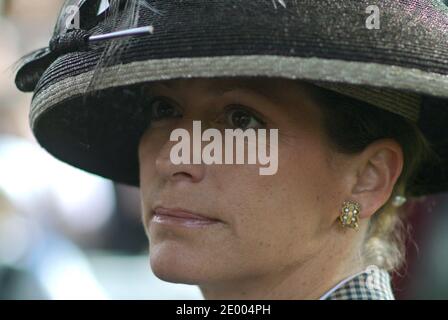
(274, 214)
(148, 150)
(311, 186)
(287, 208)
(150, 146)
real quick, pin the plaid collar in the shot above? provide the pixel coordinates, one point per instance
(371, 284)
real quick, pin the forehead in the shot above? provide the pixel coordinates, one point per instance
(274, 89)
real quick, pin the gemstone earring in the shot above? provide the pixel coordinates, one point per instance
(350, 214)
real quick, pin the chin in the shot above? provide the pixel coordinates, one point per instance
(171, 265)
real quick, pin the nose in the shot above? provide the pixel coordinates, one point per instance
(179, 172)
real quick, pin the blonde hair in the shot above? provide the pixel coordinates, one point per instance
(385, 240)
(384, 243)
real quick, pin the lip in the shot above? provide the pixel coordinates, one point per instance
(180, 217)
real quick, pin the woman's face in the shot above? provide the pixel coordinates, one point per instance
(267, 223)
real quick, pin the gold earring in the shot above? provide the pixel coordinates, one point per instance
(350, 214)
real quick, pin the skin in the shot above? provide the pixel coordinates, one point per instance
(279, 235)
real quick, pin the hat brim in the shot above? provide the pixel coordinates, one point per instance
(83, 130)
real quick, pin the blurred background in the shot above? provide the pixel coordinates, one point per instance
(66, 234)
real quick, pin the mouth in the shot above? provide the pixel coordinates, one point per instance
(180, 217)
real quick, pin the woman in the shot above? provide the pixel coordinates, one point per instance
(277, 236)
(356, 109)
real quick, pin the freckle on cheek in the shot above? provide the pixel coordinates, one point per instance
(264, 244)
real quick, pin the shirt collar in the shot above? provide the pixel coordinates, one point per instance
(372, 283)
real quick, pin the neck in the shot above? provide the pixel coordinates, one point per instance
(302, 281)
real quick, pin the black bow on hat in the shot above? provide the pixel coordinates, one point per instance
(70, 37)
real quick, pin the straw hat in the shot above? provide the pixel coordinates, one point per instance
(87, 109)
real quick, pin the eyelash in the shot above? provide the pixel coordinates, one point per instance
(152, 109)
(231, 108)
(226, 118)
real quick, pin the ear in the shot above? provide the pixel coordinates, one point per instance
(377, 169)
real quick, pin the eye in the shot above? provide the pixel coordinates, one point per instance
(162, 109)
(240, 117)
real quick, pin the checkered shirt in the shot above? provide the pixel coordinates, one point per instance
(372, 284)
